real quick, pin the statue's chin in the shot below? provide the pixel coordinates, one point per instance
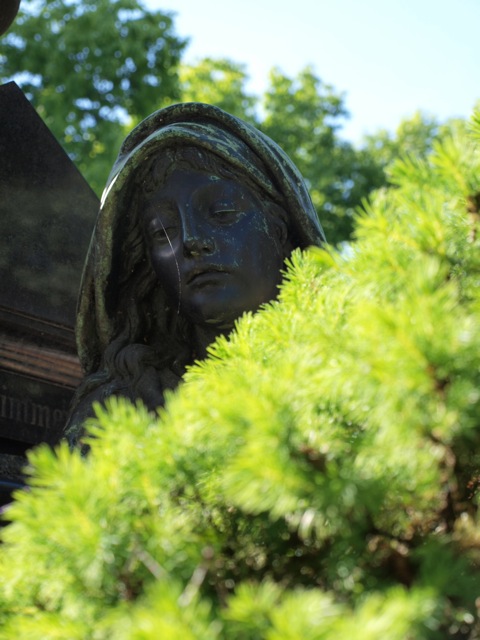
(219, 307)
(219, 321)
(221, 317)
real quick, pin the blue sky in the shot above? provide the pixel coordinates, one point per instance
(389, 57)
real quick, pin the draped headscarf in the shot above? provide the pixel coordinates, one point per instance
(199, 125)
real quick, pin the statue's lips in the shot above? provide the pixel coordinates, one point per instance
(205, 274)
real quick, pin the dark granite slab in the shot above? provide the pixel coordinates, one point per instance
(47, 213)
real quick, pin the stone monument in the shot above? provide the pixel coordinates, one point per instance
(47, 212)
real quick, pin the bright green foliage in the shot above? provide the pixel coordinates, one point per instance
(92, 68)
(316, 478)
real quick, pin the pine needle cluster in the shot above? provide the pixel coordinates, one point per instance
(317, 477)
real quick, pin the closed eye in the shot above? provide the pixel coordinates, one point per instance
(226, 214)
(161, 234)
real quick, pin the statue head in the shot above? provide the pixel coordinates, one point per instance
(198, 215)
(215, 240)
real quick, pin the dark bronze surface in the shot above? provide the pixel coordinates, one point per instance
(8, 11)
(215, 247)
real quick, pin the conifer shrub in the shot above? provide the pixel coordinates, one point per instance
(317, 477)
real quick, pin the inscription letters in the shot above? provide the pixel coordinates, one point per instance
(31, 413)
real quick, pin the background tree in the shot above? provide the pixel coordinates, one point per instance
(92, 68)
(304, 115)
(221, 82)
(414, 136)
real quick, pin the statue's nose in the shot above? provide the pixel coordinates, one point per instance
(195, 246)
(196, 238)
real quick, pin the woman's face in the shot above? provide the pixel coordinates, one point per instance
(213, 246)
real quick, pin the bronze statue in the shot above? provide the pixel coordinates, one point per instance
(8, 12)
(198, 215)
